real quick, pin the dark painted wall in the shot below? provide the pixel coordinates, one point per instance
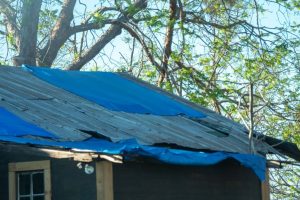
(68, 182)
(138, 181)
(226, 181)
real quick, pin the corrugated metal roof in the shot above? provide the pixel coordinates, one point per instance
(71, 118)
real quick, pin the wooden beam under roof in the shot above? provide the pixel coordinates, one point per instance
(58, 153)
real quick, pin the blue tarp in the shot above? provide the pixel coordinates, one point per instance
(107, 89)
(12, 125)
(114, 92)
(131, 148)
(12, 128)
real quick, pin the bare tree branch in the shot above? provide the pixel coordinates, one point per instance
(90, 26)
(168, 41)
(10, 19)
(109, 35)
(147, 50)
(199, 20)
(59, 34)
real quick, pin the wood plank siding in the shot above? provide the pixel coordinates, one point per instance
(226, 181)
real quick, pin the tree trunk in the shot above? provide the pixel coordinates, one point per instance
(28, 33)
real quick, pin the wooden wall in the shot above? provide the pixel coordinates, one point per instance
(68, 182)
(226, 181)
(144, 181)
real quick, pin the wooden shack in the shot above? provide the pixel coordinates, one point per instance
(106, 136)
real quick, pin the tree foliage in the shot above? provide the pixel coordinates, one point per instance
(206, 51)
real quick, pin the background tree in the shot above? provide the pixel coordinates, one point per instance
(206, 51)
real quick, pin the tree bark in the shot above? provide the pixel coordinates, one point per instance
(168, 42)
(59, 34)
(28, 33)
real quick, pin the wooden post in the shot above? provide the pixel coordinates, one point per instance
(12, 185)
(251, 113)
(104, 180)
(47, 184)
(265, 187)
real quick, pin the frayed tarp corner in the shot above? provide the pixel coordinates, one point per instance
(114, 92)
(171, 156)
